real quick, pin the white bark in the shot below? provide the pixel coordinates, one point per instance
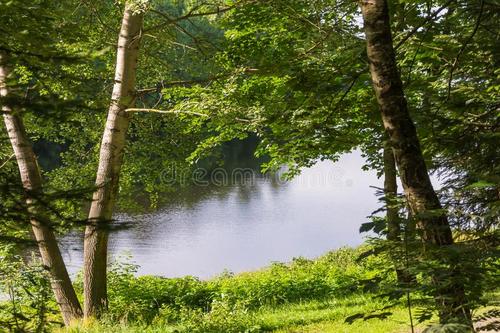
(110, 161)
(32, 182)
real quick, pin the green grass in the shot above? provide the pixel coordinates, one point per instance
(330, 317)
(301, 296)
(310, 296)
(311, 316)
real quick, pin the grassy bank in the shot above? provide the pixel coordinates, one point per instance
(311, 316)
(301, 296)
(333, 293)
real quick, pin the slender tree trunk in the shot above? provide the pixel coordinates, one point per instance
(422, 199)
(32, 182)
(392, 212)
(390, 193)
(110, 161)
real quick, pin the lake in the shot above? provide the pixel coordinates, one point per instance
(244, 225)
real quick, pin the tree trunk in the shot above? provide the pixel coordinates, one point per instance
(110, 161)
(394, 234)
(422, 199)
(32, 182)
(390, 193)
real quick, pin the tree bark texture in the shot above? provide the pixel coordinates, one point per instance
(32, 183)
(110, 161)
(422, 199)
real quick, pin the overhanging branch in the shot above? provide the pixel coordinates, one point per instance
(166, 111)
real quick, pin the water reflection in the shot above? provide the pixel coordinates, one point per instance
(206, 229)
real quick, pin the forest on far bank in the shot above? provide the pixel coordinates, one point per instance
(100, 98)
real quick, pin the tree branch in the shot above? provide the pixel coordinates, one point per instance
(6, 161)
(166, 111)
(191, 13)
(427, 20)
(209, 79)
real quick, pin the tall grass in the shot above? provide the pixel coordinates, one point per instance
(300, 296)
(335, 274)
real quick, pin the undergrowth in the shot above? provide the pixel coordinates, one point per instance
(336, 292)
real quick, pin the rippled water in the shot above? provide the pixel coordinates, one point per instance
(241, 227)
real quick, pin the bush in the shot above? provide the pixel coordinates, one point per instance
(223, 317)
(26, 299)
(140, 298)
(144, 298)
(333, 274)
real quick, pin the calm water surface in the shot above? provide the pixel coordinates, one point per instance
(241, 227)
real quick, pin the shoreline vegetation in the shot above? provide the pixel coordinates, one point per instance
(331, 293)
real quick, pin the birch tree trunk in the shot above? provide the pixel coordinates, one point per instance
(421, 197)
(110, 161)
(32, 182)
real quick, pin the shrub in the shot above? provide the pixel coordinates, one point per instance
(223, 317)
(146, 297)
(26, 299)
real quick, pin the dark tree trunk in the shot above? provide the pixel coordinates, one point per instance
(421, 197)
(110, 161)
(32, 182)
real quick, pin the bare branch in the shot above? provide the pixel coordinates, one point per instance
(7, 160)
(166, 111)
(209, 79)
(191, 14)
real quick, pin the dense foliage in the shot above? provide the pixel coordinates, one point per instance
(292, 74)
